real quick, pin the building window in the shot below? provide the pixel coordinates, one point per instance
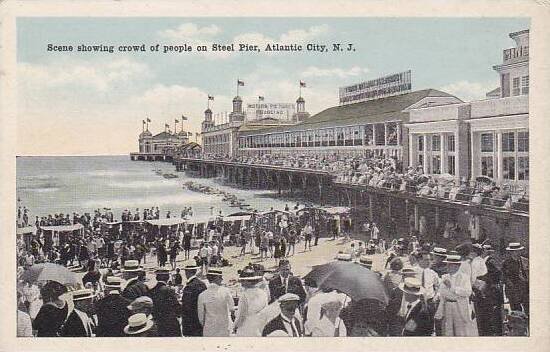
(486, 142)
(451, 164)
(451, 142)
(420, 159)
(331, 137)
(380, 134)
(436, 143)
(515, 86)
(357, 135)
(392, 134)
(487, 168)
(525, 85)
(523, 141)
(523, 168)
(509, 168)
(436, 164)
(420, 143)
(369, 135)
(508, 140)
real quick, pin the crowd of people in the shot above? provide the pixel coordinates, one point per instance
(388, 173)
(470, 290)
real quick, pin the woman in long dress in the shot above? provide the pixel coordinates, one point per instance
(252, 299)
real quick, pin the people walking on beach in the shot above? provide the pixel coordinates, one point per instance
(174, 250)
(187, 244)
(291, 242)
(307, 232)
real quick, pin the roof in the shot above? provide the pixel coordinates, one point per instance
(494, 92)
(372, 111)
(166, 222)
(190, 145)
(162, 135)
(62, 228)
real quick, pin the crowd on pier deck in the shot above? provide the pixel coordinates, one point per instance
(427, 290)
(388, 173)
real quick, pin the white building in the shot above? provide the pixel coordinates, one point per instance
(481, 138)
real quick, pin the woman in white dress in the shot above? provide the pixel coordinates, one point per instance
(252, 299)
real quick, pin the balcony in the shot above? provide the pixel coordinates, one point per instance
(513, 55)
(500, 107)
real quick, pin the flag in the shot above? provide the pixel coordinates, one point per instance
(166, 125)
(197, 134)
(143, 122)
(210, 97)
(183, 118)
(148, 120)
(240, 83)
(302, 84)
(260, 98)
(176, 121)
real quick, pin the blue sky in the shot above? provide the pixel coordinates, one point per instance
(99, 93)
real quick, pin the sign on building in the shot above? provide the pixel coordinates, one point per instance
(394, 84)
(261, 110)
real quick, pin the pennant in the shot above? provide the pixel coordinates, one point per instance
(260, 98)
(148, 120)
(302, 84)
(210, 97)
(240, 83)
(176, 121)
(166, 125)
(183, 118)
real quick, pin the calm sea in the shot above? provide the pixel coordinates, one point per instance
(48, 185)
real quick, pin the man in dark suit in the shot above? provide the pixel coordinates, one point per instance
(135, 284)
(190, 325)
(286, 283)
(112, 312)
(166, 308)
(516, 279)
(491, 299)
(418, 319)
(286, 324)
(78, 323)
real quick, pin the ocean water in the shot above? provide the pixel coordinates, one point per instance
(49, 185)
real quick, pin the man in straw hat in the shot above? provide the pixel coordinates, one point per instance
(516, 278)
(438, 255)
(454, 308)
(111, 310)
(286, 324)
(139, 325)
(166, 308)
(215, 306)
(252, 299)
(190, 325)
(144, 305)
(78, 323)
(135, 276)
(395, 321)
(418, 319)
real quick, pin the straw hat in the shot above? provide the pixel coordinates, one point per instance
(408, 270)
(365, 261)
(114, 282)
(83, 294)
(412, 285)
(137, 324)
(345, 257)
(514, 246)
(453, 259)
(248, 274)
(442, 252)
(288, 297)
(215, 272)
(131, 265)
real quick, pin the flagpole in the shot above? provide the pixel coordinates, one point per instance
(237, 86)
(175, 124)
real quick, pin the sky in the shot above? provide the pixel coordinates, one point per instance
(74, 103)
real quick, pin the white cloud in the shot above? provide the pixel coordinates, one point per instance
(190, 31)
(313, 71)
(468, 91)
(100, 75)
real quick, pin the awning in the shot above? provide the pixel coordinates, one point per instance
(166, 222)
(337, 210)
(26, 230)
(236, 218)
(63, 228)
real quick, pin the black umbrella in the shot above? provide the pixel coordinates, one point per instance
(353, 279)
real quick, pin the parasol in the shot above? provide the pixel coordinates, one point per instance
(49, 272)
(354, 280)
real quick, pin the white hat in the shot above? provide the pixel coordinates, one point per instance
(114, 282)
(442, 252)
(131, 265)
(346, 257)
(453, 259)
(288, 297)
(82, 294)
(137, 324)
(514, 246)
(412, 285)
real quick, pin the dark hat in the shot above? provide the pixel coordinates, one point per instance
(162, 271)
(191, 267)
(284, 262)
